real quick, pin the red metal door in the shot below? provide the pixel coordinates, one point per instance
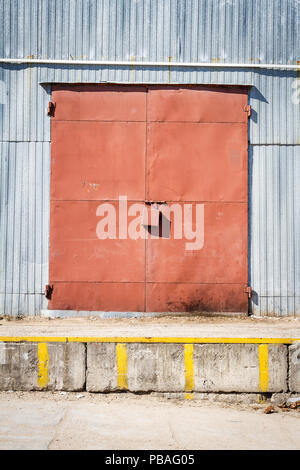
(98, 153)
(180, 145)
(197, 153)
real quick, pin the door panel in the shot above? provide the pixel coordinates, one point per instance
(197, 152)
(225, 230)
(89, 103)
(77, 254)
(98, 160)
(177, 297)
(98, 154)
(196, 104)
(197, 162)
(104, 296)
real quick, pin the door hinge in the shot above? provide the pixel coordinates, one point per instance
(247, 109)
(51, 108)
(248, 290)
(48, 291)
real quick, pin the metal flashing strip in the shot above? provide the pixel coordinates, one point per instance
(126, 63)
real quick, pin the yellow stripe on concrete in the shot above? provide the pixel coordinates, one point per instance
(189, 370)
(179, 340)
(34, 339)
(43, 357)
(145, 339)
(122, 366)
(263, 356)
(189, 396)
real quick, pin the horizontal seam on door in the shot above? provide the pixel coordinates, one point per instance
(142, 200)
(151, 282)
(147, 122)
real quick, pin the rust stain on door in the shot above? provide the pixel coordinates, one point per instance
(157, 144)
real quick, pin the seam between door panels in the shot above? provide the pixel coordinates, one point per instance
(146, 192)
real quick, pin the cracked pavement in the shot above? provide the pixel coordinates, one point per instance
(60, 420)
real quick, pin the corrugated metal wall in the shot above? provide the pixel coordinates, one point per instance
(240, 31)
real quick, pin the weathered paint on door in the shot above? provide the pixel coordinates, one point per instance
(183, 145)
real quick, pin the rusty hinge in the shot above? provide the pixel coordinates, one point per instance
(248, 290)
(247, 109)
(48, 291)
(51, 108)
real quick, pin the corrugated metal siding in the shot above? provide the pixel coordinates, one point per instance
(187, 30)
(23, 112)
(266, 31)
(24, 118)
(274, 242)
(24, 224)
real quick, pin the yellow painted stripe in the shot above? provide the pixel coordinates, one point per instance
(189, 370)
(34, 339)
(182, 340)
(169, 339)
(188, 340)
(189, 396)
(43, 358)
(263, 356)
(122, 366)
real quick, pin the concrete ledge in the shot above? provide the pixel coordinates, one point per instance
(101, 367)
(294, 367)
(114, 314)
(42, 366)
(188, 328)
(166, 365)
(157, 367)
(239, 368)
(191, 368)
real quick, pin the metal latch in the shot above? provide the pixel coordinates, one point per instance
(247, 109)
(248, 290)
(48, 291)
(153, 203)
(51, 108)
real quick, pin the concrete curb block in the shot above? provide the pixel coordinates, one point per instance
(169, 368)
(42, 366)
(294, 367)
(150, 367)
